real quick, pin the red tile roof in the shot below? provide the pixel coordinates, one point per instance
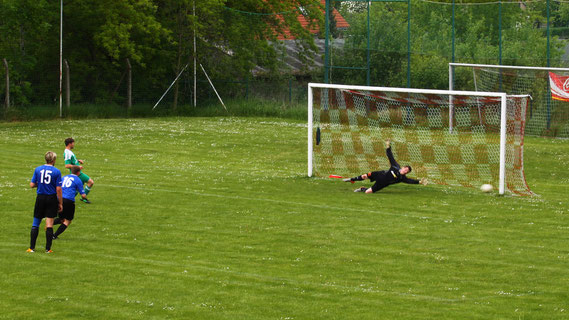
(341, 23)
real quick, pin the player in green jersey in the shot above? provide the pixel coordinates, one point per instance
(71, 160)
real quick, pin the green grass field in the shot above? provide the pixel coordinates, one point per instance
(214, 218)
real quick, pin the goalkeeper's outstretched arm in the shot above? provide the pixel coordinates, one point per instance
(423, 181)
(404, 179)
(389, 154)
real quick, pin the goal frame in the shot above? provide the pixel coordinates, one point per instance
(450, 93)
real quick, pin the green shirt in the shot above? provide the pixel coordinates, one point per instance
(70, 158)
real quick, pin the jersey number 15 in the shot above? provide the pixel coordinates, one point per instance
(45, 176)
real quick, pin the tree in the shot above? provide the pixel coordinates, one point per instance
(477, 40)
(177, 17)
(25, 27)
(234, 37)
(101, 34)
(241, 34)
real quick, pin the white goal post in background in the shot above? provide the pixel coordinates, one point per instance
(546, 116)
(349, 122)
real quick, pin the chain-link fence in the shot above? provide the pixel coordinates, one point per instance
(410, 44)
(396, 43)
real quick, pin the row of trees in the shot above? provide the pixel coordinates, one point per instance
(481, 30)
(155, 35)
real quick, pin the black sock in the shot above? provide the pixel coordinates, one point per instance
(48, 238)
(33, 237)
(358, 178)
(60, 230)
(57, 221)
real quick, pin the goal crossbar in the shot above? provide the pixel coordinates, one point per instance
(407, 90)
(497, 66)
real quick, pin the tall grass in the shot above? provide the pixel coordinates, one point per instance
(236, 107)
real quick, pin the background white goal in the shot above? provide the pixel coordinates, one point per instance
(546, 116)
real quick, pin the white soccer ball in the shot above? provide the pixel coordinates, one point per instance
(486, 188)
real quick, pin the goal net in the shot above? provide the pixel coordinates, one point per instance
(547, 116)
(449, 137)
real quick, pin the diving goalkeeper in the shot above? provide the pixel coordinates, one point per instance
(384, 178)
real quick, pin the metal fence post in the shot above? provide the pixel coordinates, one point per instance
(128, 84)
(289, 91)
(453, 28)
(499, 37)
(247, 89)
(67, 85)
(326, 44)
(368, 58)
(548, 65)
(7, 101)
(408, 43)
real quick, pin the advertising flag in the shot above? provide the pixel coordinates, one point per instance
(559, 87)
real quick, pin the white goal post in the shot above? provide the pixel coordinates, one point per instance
(323, 101)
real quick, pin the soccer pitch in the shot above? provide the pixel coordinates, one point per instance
(214, 218)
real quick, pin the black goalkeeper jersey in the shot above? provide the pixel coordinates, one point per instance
(385, 178)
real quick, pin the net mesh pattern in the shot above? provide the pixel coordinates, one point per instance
(546, 116)
(350, 127)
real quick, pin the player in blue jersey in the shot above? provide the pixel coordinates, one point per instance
(70, 186)
(47, 179)
(71, 160)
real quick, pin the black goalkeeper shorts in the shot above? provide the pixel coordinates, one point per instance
(374, 175)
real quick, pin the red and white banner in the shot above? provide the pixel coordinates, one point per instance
(559, 87)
